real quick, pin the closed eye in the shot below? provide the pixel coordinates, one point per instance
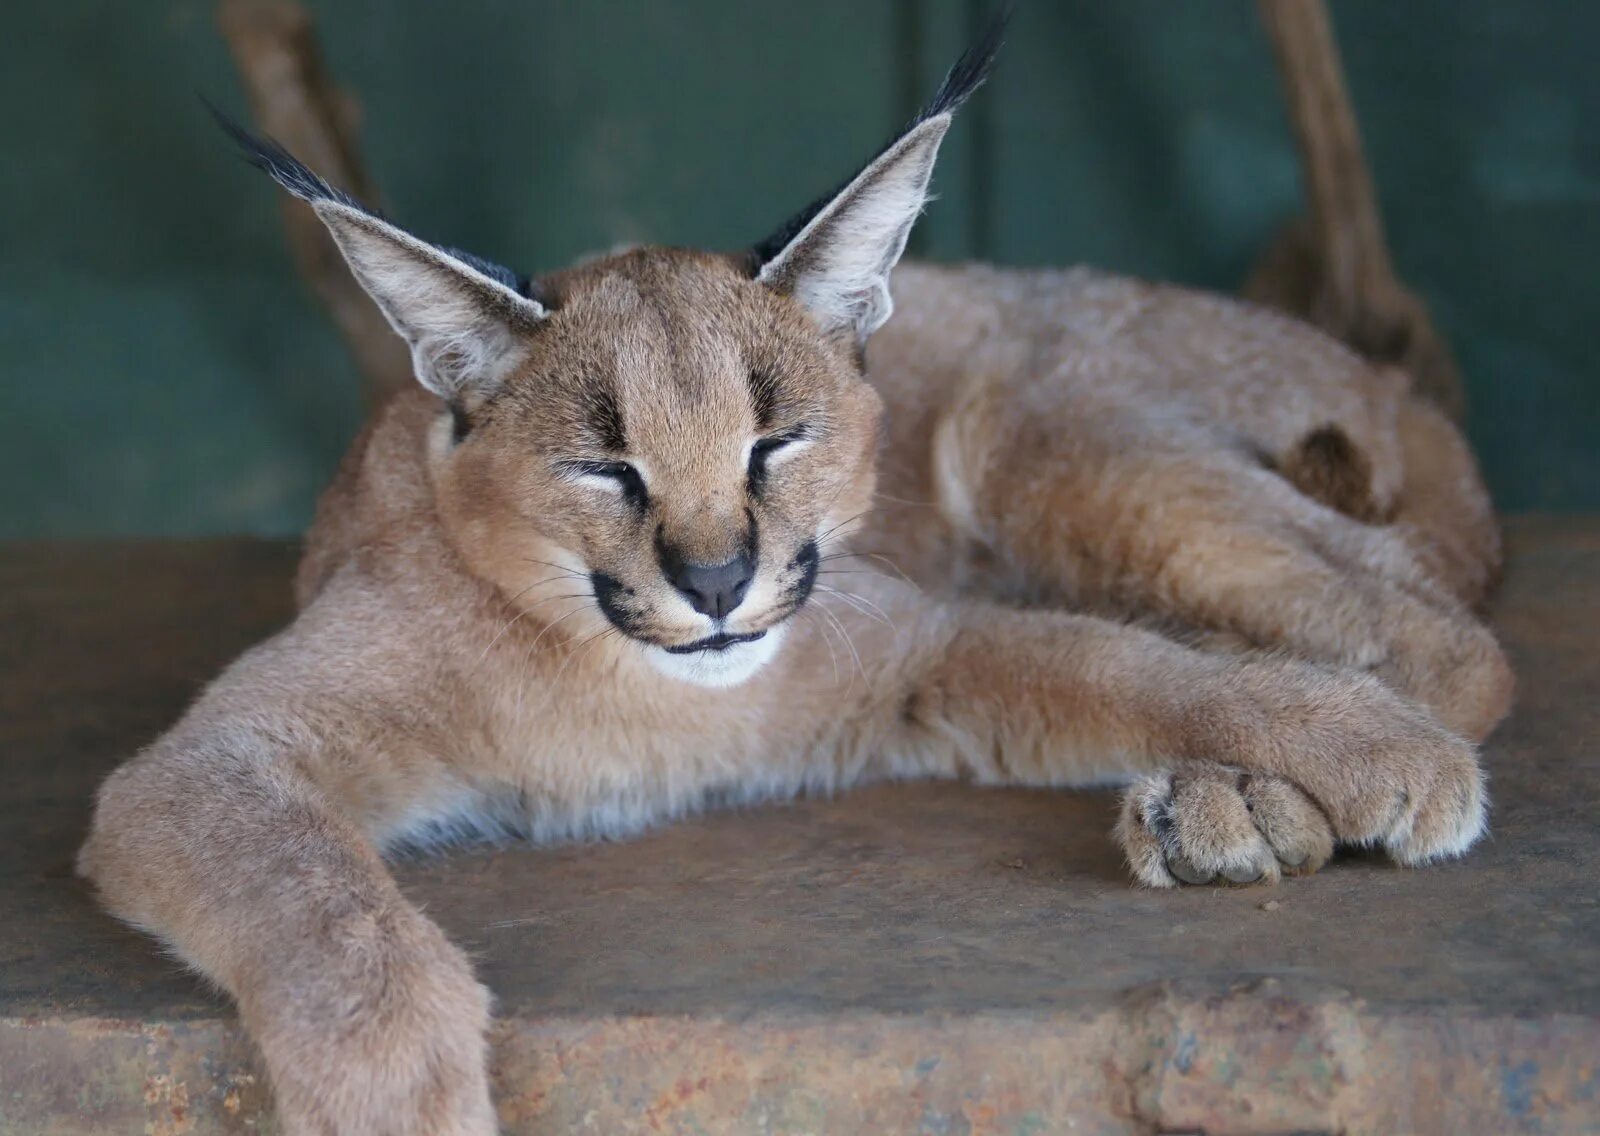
(619, 474)
(762, 451)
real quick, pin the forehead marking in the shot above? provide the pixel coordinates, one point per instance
(764, 396)
(605, 416)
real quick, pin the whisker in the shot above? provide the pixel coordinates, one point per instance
(905, 500)
(822, 539)
(553, 564)
(856, 603)
(513, 599)
(499, 635)
(551, 580)
(838, 491)
(526, 665)
(553, 687)
(549, 627)
(873, 572)
(848, 642)
(869, 608)
(854, 554)
(833, 657)
(512, 622)
(578, 651)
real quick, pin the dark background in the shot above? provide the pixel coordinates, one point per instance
(164, 372)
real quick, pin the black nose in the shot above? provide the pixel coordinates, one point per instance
(712, 589)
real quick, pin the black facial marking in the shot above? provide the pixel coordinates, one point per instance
(633, 491)
(605, 417)
(756, 476)
(666, 557)
(609, 594)
(764, 397)
(752, 539)
(808, 561)
(460, 424)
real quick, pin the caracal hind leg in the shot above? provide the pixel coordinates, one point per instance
(1439, 522)
(1443, 511)
(1245, 552)
(1214, 540)
(369, 1020)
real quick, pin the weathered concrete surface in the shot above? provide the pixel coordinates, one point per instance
(928, 959)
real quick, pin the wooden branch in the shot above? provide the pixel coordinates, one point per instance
(1334, 269)
(295, 102)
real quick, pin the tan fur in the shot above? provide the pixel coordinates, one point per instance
(1070, 460)
(1139, 449)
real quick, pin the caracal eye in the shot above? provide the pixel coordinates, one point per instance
(764, 449)
(617, 476)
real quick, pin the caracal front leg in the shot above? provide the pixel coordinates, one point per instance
(1265, 763)
(217, 842)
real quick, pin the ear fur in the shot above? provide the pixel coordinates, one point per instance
(461, 315)
(835, 256)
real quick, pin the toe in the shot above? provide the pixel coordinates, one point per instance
(1215, 832)
(1182, 867)
(1449, 816)
(1243, 875)
(1295, 828)
(1141, 825)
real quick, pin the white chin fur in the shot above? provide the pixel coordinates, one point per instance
(719, 668)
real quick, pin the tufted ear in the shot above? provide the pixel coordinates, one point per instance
(835, 256)
(463, 317)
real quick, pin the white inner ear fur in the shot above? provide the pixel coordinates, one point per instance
(838, 266)
(462, 325)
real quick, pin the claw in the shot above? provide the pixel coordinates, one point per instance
(1242, 876)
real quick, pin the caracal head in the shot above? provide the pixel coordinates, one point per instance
(660, 445)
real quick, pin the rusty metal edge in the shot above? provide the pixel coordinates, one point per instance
(1251, 1059)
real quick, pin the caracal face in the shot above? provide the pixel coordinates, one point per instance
(664, 462)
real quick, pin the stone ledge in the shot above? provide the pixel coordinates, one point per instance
(918, 958)
(1255, 1059)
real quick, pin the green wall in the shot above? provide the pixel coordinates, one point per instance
(163, 371)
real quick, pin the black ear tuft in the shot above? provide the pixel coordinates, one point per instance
(971, 70)
(283, 167)
(303, 182)
(968, 74)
